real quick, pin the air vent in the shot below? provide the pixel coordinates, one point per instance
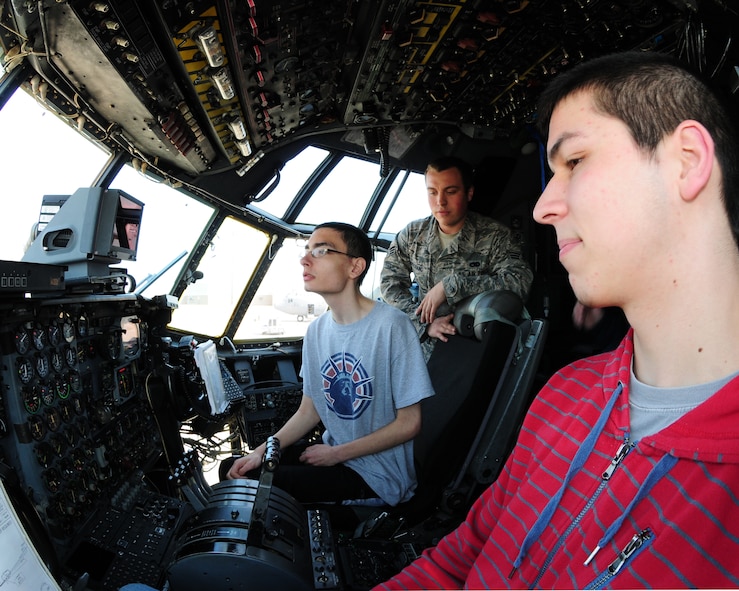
(58, 239)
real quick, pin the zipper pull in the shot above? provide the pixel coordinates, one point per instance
(624, 449)
(636, 542)
(621, 453)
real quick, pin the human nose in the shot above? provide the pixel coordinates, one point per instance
(434, 199)
(551, 204)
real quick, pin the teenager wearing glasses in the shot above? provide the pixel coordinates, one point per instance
(364, 376)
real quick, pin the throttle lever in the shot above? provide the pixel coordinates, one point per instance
(272, 454)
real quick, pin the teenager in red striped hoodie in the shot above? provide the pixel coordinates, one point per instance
(626, 471)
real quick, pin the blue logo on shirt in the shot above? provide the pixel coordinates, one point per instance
(346, 385)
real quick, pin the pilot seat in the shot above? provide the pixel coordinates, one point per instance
(483, 378)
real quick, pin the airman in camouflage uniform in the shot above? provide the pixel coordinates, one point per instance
(480, 256)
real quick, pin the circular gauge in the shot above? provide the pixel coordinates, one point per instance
(42, 366)
(40, 338)
(84, 428)
(57, 360)
(46, 393)
(70, 355)
(53, 419)
(55, 334)
(75, 382)
(62, 388)
(22, 341)
(65, 409)
(44, 454)
(67, 412)
(66, 468)
(76, 496)
(82, 326)
(58, 444)
(286, 64)
(36, 427)
(88, 481)
(68, 330)
(25, 370)
(78, 460)
(71, 435)
(52, 479)
(56, 507)
(31, 400)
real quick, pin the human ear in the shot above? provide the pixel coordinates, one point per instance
(358, 267)
(697, 158)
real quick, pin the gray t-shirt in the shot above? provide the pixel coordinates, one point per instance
(653, 409)
(357, 376)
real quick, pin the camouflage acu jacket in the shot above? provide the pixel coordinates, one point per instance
(483, 256)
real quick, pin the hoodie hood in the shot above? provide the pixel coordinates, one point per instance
(708, 433)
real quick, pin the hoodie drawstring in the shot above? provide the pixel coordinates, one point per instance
(577, 463)
(660, 469)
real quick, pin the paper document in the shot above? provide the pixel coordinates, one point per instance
(21, 567)
(206, 358)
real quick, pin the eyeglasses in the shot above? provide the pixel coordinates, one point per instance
(322, 251)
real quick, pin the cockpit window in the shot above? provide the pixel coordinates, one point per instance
(405, 201)
(207, 304)
(344, 194)
(174, 222)
(45, 157)
(170, 228)
(282, 308)
(292, 177)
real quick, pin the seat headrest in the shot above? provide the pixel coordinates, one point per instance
(473, 313)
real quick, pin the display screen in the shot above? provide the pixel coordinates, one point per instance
(130, 336)
(127, 222)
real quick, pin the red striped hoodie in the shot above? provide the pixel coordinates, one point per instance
(578, 505)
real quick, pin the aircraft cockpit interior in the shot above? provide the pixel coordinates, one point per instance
(164, 165)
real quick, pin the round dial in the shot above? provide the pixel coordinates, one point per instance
(68, 330)
(70, 354)
(40, 338)
(22, 341)
(53, 419)
(36, 427)
(286, 64)
(55, 334)
(75, 382)
(62, 388)
(84, 428)
(82, 326)
(42, 366)
(25, 370)
(31, 400)
(52, 479)
(58, 444)
(57, 360)
(46, 393)
(72, 436)
(44, 454)
(65, 409)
